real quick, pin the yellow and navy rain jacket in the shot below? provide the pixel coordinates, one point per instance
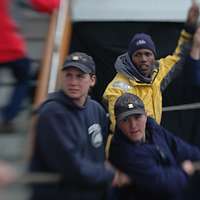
(150, 92)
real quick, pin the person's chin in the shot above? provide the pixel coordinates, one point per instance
(145, 72)
(73, 95)
(135, 137)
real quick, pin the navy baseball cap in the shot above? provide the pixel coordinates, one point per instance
(81, 61)
(128, 104)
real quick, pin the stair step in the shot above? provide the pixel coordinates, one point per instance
(35, 49)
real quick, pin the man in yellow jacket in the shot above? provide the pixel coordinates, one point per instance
(139, 73)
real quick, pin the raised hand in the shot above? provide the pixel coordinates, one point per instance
(195, 50)
(193, 14)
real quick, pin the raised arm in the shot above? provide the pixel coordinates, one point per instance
(195, 51)
(173, 64)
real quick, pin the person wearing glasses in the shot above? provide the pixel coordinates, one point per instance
(157, 162)
(71, 132)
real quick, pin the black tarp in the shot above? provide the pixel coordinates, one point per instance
(104, 41)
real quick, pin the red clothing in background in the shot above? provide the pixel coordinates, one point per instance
(12, 45)
(45, 5)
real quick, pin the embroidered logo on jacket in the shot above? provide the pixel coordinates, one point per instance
(96, 135)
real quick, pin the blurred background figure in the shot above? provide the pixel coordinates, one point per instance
(191, 88)
(193, 62)
(188, 86)
(14, 57)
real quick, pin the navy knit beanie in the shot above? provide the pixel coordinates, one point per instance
(141, 41)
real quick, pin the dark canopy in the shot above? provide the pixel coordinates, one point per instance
(107, 40)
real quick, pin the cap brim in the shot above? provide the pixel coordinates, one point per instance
(80, 66)
(129, 113)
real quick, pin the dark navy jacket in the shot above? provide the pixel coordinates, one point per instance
(192, 191)
(154, 166)
(192, 70)
(70, 141)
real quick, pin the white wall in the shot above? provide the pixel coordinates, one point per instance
(139, 10)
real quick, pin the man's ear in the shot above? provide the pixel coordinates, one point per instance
(93, 80)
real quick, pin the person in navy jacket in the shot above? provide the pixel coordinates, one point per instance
(71, 131)
(150, 155)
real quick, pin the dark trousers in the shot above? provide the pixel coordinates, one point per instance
(21, 71)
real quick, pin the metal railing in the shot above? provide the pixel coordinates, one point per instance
(56, 49)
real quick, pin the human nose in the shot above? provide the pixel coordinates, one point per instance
(73, 80)
(132, 123)
(143, 58)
